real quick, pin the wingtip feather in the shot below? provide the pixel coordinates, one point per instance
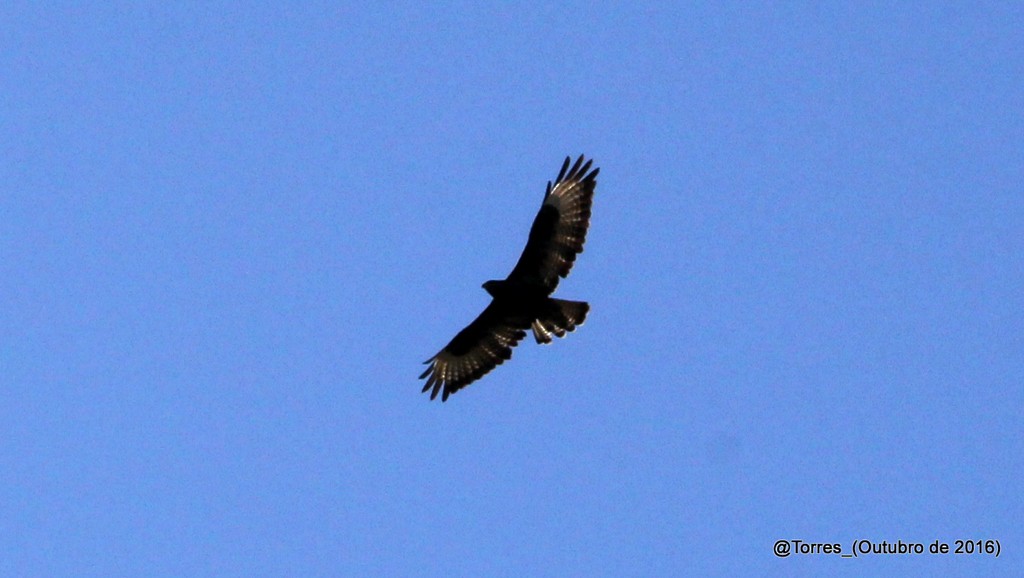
(576, 167)
(565, 167)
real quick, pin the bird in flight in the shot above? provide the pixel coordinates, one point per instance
(523, 300)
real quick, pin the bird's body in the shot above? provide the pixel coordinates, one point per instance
(516, 289)
(523, 300)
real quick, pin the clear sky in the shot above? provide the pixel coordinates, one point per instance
(231, 233)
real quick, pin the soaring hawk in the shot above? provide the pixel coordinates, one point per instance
(522, 300)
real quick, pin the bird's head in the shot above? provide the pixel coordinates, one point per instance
(492, 287)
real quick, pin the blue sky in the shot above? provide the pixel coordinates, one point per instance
(230, 234)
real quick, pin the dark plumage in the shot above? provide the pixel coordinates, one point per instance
(522, 300)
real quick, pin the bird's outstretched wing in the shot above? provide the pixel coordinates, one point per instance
(560, 228)
(483, 345)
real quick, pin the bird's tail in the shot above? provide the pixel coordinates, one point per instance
(558, 317)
